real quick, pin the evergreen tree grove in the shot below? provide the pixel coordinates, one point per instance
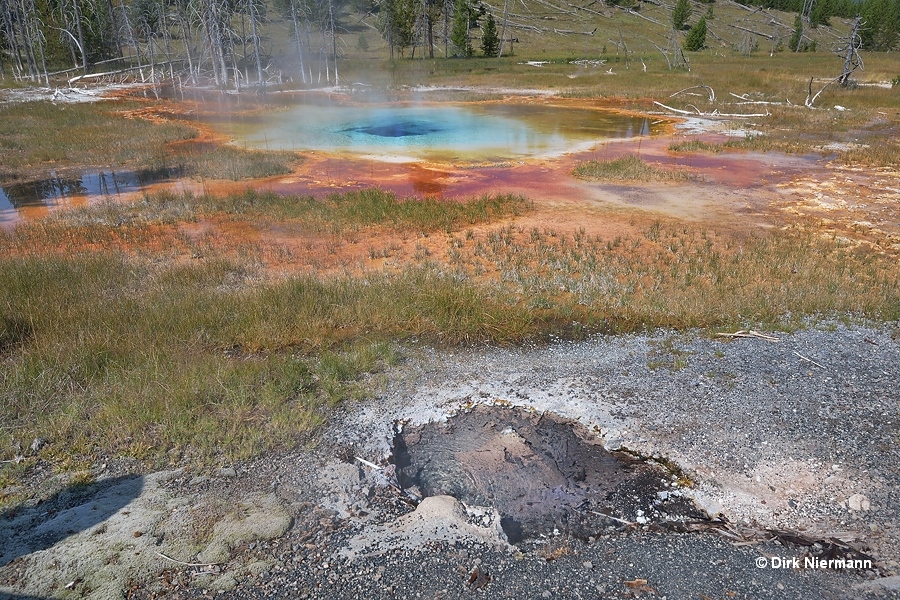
(459, 33)
(794, 43)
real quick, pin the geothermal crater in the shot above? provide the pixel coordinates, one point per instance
(543, 474)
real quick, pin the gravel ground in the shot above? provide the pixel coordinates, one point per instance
(799, 434)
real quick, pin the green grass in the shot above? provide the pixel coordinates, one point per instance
(42, 135)
(680, 277)
(627, 168)
(163, 363)
(878, 153)
(695, 146)
(36, 137)
(127, 221)
(230, 162)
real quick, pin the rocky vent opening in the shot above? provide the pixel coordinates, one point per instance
(544, 474)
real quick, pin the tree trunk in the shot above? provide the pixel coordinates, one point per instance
(80, 30)
(851, 56)
(25, 34)
(298, 39)
(333, 42)
(187, 46)
(11, 38)
(115, 27)
(167, 46)
(253, 32)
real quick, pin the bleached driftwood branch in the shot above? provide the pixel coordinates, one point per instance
(714, 114)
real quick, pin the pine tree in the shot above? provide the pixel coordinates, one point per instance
(464, 19)
(681, 14)
(696, 37)
(797, 36)
(490, 40)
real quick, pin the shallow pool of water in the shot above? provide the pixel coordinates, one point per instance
(64, 190)
(438, 132)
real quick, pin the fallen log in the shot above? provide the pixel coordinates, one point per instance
(713, 115)
(759, 33)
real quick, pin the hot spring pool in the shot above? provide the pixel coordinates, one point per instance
(439, 132)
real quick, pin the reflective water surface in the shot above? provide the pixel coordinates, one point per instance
(65, 190)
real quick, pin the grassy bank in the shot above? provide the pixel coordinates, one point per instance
(680, 276)
(134, 226)
(163, 363)
(37, 137)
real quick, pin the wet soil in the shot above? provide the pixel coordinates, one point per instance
(544, 474)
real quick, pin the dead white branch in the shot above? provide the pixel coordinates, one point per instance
(810, 98)
(810, 360)
(187, 564)
(572, 31)
(371, 465)
(710, 92)
(714, 114)
(759, 33)
(749, 333)
(623, 521)
(739, 5)
(747, 100)
(674, 110)
(585, 9)
(637, 14)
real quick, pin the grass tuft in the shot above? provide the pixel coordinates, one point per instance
(230, 162)
(627, 168)
(695, 146)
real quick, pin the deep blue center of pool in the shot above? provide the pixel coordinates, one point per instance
(397, 129)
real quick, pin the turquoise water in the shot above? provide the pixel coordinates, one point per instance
(454, 132)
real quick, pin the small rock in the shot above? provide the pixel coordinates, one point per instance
(37, 444)
(227, 472)
(858, 502)
(587, 565)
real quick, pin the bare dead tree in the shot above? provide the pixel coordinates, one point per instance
(33, 38)
(852, 61)
(807, 9)
(673, 53)
(503, 28)
(333, 41)
(850, 50)
(70, 17)
(254, 32)
(297, 38)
